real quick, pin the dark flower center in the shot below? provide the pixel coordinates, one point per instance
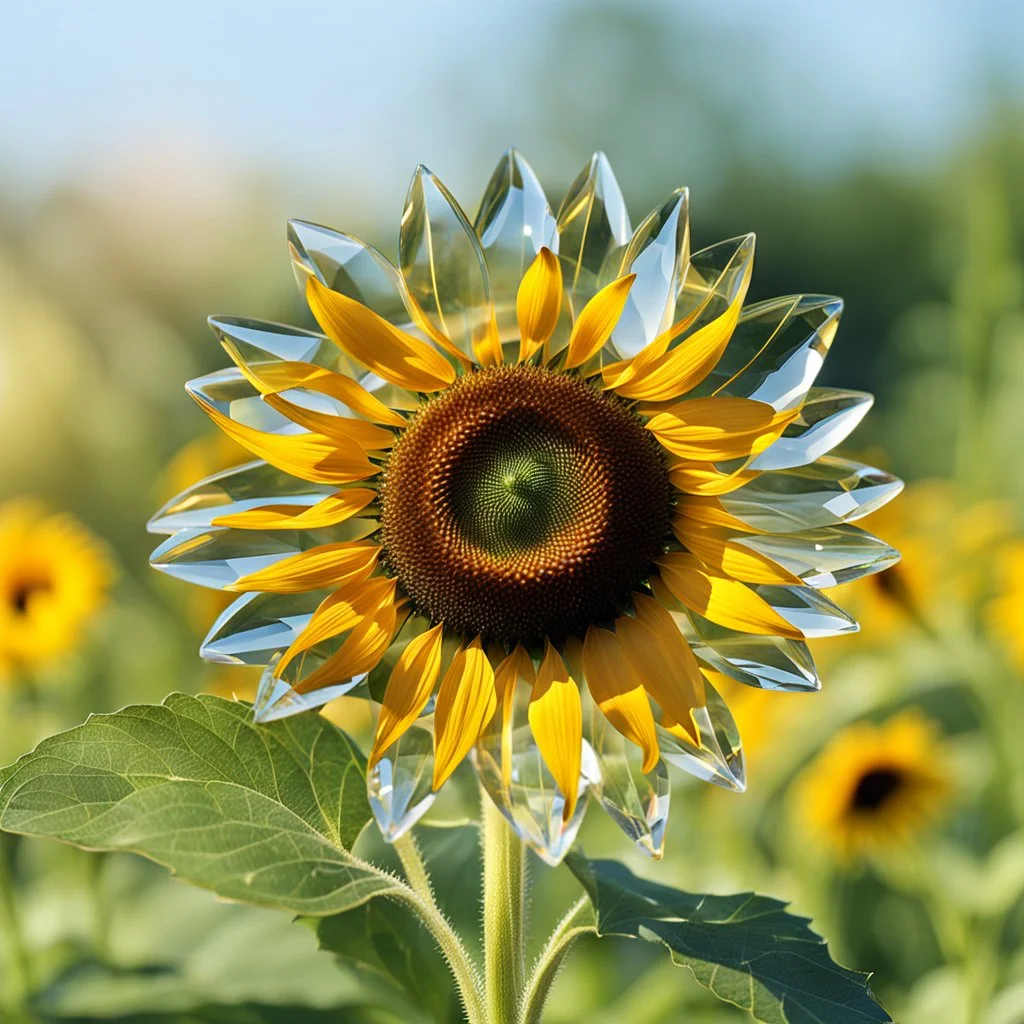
(875, 788)
(20, 595)
(521, 504)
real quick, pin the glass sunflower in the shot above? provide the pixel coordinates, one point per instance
(874, 788)
(54, 576)
(519, 489)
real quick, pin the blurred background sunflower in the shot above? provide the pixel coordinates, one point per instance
(876, 150)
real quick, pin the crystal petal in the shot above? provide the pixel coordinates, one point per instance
(252, 485)
(277, 699)
(217, 558)
(825, 493)
(765, 662)
(719, 758)
(349, 266)
(657, 254)
(638, 803)
(256, 342)
(778, 349)
(825, 557)
(443, 264)
(252, 629)
(827, 417)
(808, 609)
(513, 773)
(592, 225)
(514, 222)
(234, 397)
(399, 784)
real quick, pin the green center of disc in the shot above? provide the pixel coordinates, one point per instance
(507, 497)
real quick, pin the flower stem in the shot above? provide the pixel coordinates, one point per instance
(19, 979)
(419, 897)
(578, 921)
(504, 914)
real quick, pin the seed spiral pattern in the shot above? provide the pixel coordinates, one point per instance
(520, 504)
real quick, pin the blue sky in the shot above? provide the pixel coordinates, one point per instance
(309, 91)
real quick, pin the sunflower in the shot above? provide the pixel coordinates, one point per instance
(875, 788)
(1005, 612)
(54, 576)
(519, 488)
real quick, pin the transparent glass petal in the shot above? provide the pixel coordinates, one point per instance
(217, 557)
(399, 786)
(824, 557)
(638, 803)
(349, 266)
(259, 342)
(592, 225)
(233, 396)
(765, 662)
(513, 773)
(827, 417)
(443, 264)
(826, 493)
(778, 349)
(808, 609)
(255, 627)
(710, 283)
(657, 254)
(514, 222)
(276, 698)
(719, 758)
(244, 487)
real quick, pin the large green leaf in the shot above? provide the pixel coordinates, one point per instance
(746, 948)
(262, 814)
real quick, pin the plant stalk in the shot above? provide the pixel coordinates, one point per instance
(420, 898)
(504, 914)
(19, 978)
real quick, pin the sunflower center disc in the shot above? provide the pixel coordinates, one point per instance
(521, 504)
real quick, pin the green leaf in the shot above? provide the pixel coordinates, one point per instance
(261, 814)
(745, 948)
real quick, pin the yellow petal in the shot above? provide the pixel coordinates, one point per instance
(390, 353)
(714, 547)
(661, 656)
(337, 614)
(597, 320)
(539, 302)
(341, 429)
(704, 478)
(362, 650)
(711, 429)
(329, 565)
(720, 599)
(310, 457)
(619, 693)
(556, 720)
(330, 511)
(409, 688)
(708, 511)
(273, 378)
(465, 704)
(487, 344)
(661, 376)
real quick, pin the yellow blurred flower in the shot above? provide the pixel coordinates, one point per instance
(874, 788)
(54, 575)
(1006, 612)
(945, 561)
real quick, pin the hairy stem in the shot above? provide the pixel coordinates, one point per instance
(419, 896)
(578, 921)
(504, 914)
(19, 977)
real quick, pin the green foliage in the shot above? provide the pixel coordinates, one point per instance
(263, 814)
(745, 948)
